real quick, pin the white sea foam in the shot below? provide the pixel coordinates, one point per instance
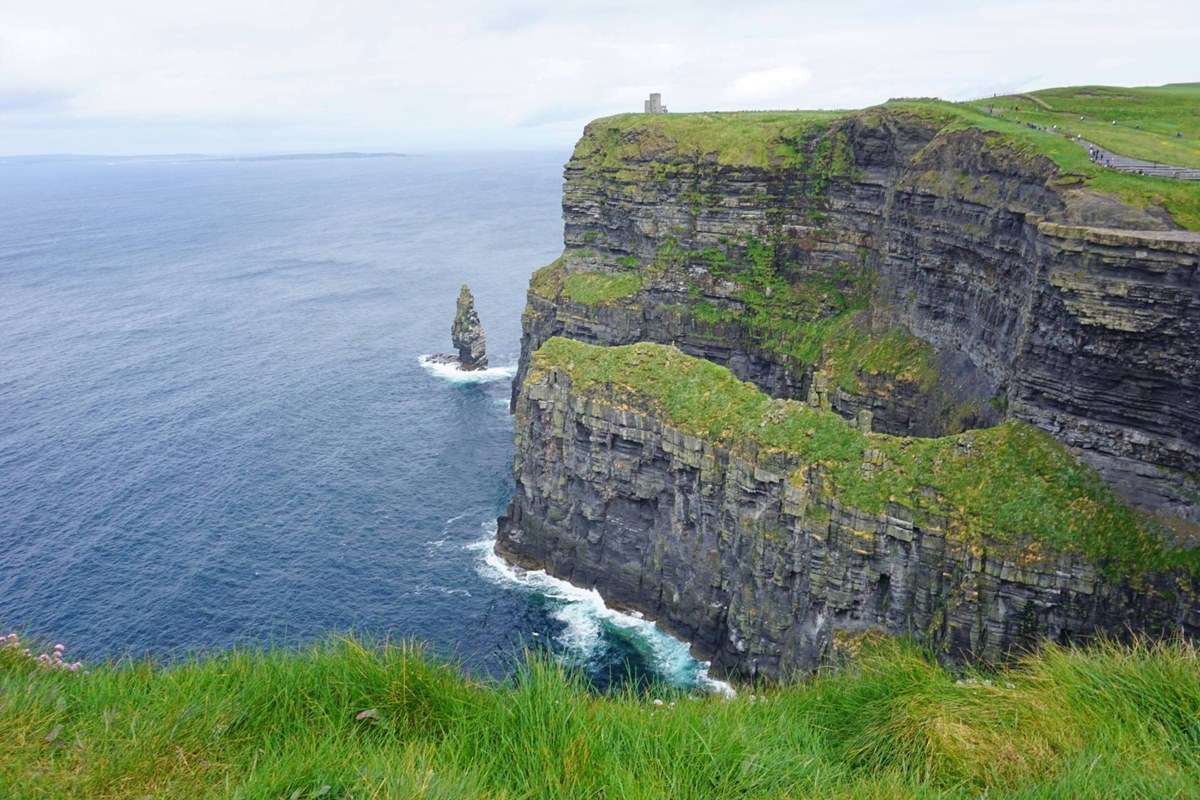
(584, 614)
(452, 373)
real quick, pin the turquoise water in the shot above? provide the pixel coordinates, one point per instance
(215, 429)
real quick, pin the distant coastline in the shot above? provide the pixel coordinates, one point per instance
(177, 157)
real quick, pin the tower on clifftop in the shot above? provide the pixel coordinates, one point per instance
(654, 104)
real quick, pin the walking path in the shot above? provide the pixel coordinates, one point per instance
(1104, 157)
(1126, 164)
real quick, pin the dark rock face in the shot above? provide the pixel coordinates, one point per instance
(1041, 300)
(467, 333)
(759, 572)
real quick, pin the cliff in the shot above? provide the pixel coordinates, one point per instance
(941, 277)
(919, 269)
(760, 529)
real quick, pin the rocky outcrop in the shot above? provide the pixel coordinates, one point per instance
(1033, 297)
(918, 278)
(467, 333)
(751, 554)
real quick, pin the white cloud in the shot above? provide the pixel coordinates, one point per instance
(250, 75)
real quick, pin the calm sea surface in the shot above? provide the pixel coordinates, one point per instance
(215, 429)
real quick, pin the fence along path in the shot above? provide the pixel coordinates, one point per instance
(1127, 164)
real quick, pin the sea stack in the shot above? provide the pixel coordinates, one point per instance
(467, 333)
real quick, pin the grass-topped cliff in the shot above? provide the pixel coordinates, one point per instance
(942, 266)
(807, 318)
(1008, 484)
(1153, 123)
(344, 720)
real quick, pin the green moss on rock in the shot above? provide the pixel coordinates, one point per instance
(1009, 484)
(547, 282)
(596, 288)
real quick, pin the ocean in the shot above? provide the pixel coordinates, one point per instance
(216, 429)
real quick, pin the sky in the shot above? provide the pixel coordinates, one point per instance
(245, 76)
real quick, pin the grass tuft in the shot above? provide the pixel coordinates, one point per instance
(1108, 721)
(597, 288)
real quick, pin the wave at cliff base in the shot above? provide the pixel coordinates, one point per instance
(586, 617)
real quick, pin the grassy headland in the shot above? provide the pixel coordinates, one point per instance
(1181, 199)
(1148, 121)
(1011, 483)
(733, 138)
(344, 720)
(1153, 123)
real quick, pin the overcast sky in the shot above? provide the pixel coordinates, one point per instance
(223, 76)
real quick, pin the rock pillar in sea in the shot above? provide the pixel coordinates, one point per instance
(467, 333)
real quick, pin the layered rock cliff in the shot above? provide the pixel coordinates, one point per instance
(940, 277)
(911, 273)
(758, 530)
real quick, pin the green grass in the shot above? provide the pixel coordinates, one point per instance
(1148, 118)
(1008, 486)
(597, 288)
(811, 317)
(740, 138)
(1180, 198)
(850, 350)
(547, 282)
(582, 286)
(1098, 723)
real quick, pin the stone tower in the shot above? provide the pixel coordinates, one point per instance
(654, 104)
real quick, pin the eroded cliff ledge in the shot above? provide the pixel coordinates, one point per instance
(1013, 336)
(896, 261)
(759, 528)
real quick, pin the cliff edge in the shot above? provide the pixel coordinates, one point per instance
(925, 271)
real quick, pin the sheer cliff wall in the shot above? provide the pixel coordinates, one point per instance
(939, 278)
(953, 294)
(759, 558)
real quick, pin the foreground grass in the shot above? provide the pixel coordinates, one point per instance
(1008, 484)
(345, 720)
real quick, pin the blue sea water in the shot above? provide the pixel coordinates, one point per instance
(215, 428)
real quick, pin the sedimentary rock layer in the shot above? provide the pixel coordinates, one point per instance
(1037, 298)
(752, 554)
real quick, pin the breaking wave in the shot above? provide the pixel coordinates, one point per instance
(585, 617)
(452, 373)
